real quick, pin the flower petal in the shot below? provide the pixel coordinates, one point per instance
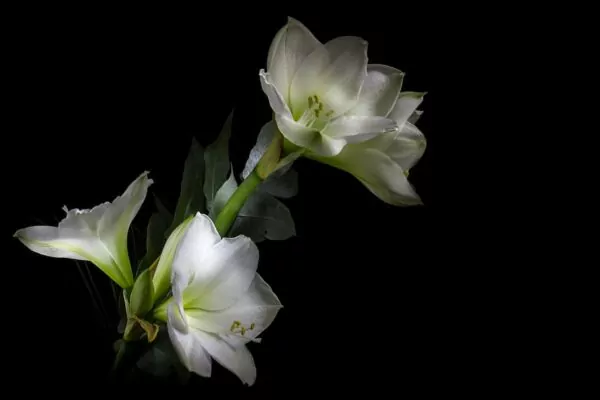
(188, 347)
(378, 172)
(359, 128)
(308, 138)
(291, 45)
(276, 99)
(335, 72)
(98, 235)
(408, 146)
(236, 359)
(406, 104)
(379, 92)
(223, 275)
(195, 247)
(415, 116)
(246, 319)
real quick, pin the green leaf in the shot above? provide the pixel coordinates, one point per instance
(161, 278)
(155, 235)
(223, 194)
(264, 217)
(216, 159)
(161, 208)
(142, 294)
(160, 359)
(281, 185)
(191, 198)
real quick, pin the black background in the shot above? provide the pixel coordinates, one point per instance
(98, 97)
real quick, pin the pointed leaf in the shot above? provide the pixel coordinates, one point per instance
(160, 359)
(155, 235)
(162, 209)
(191, 199)
(216, 159)
(264, 217)
(223, 195)
(283, 186)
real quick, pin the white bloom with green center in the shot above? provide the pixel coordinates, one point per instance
(355, 117)
(219, 301)
(314, 90)
(98, 235)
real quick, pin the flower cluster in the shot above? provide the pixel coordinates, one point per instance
(198, 281)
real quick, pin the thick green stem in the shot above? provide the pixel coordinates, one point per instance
(236, 202)
(160, 311)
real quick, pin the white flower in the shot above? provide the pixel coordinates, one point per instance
(219, 301)
(382, 163)
(98, 235)
(314, 90)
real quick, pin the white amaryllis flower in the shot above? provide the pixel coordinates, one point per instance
(382, 163)
(219, 302)
(98, 235)
(314, 90)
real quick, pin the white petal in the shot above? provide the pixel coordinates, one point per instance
(276, 99)
(246, 319)
(224, 275)
(408, 146)
(308, 138)
(45, 240)
(189, 349)
(98, 235)
(415, 116)
(335, 72)
(176, 317)
(291, 45)
(406, 104)
(378, 172)
(195, 246)
(358, 129)
(236, 359)
(379, 92)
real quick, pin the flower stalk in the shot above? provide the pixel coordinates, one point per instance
(235, 203)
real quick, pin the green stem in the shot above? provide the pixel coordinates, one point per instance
(236, 202)
(160, 311)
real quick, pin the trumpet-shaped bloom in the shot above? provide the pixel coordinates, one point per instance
(382, 163)
(98, 235)
(219, 302)
(314, 90)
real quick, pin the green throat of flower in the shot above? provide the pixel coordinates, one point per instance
(316, 115)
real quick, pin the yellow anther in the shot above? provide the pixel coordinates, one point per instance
(243, 331)
(252, 326)
(234, 325)
(310, 102)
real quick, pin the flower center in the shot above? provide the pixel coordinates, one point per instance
(316, 115)
(238, 327)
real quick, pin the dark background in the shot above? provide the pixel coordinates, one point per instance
(100, 97)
